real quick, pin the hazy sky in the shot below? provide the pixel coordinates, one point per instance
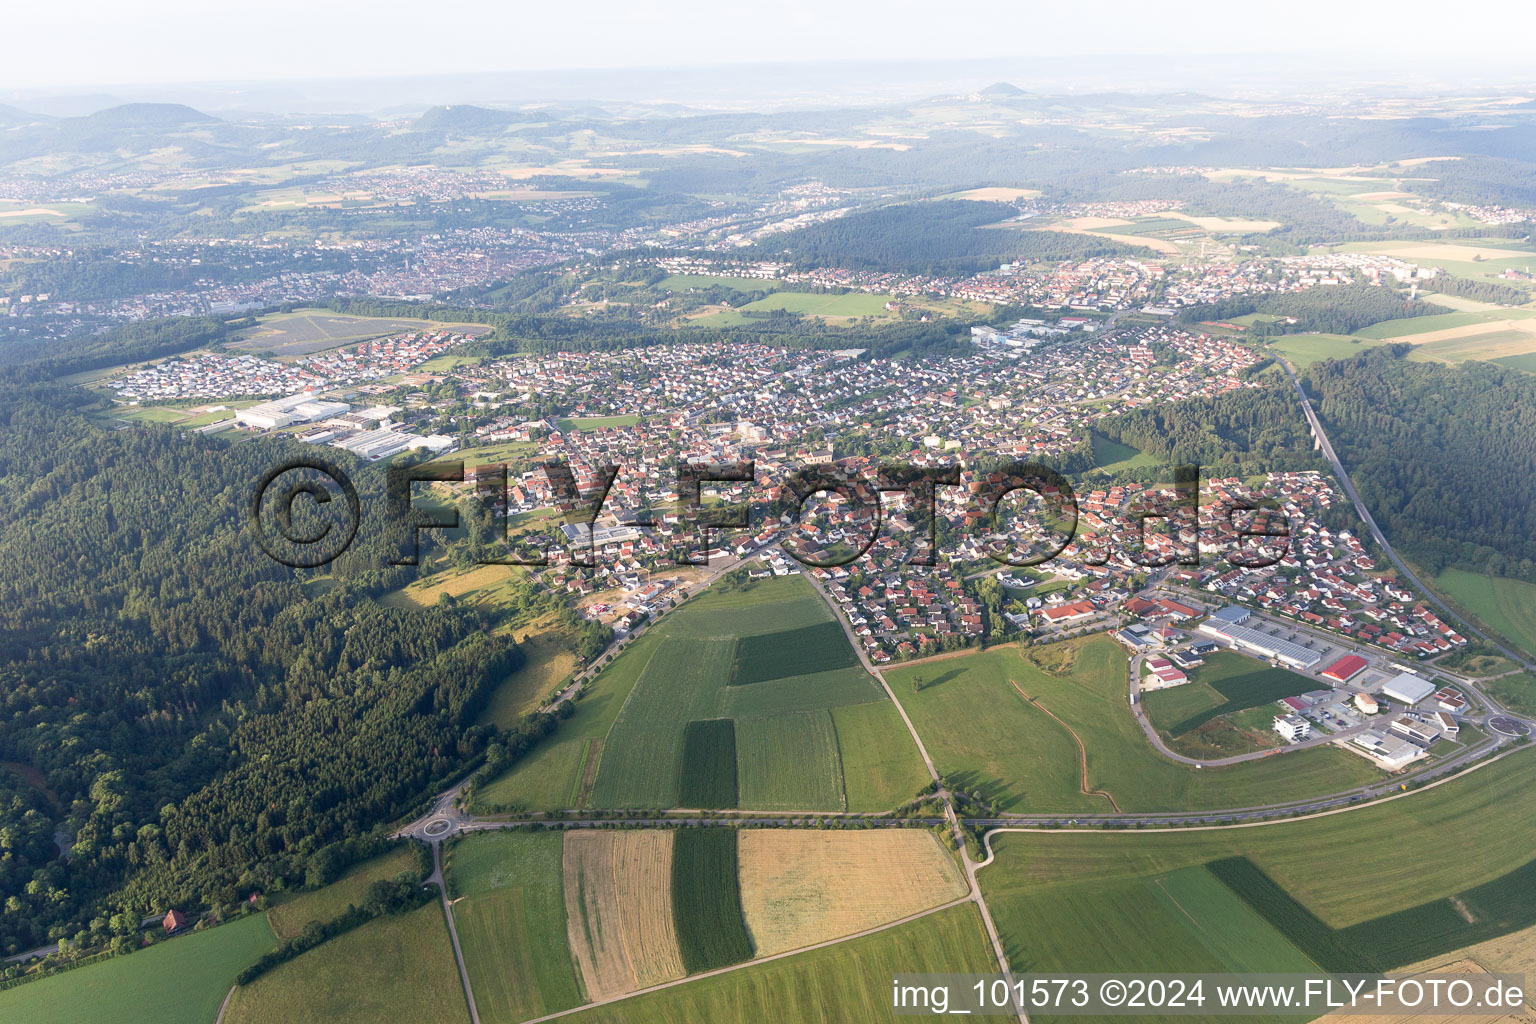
(71, 43)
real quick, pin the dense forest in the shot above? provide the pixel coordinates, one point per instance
(205, 725)
(1326, 309)
(1248, 431)
(938, 237)
(1445, 456)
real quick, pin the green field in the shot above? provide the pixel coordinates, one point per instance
(306, 331)
(683, 282)
(180, 981)
(1302, 350)
(881, 766)
(392, 968)
(289, 917)
(706, 899)
(595, 422)
(812, 304)
(637, 710)
(1506, 606)
(1443, 841)
(510, 915)
(708, 771)
(766, 743)
(1227, 683)
(1439, 322)
(791, 652)
(977, 728)
(849, 981)
(1491, 346)
(1112, 456)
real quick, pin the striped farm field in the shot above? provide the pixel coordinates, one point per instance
(619, 909)
(789, 762)
(848, 982)
(792, 652)
(706, 899)
(804, 886)
(509, 911)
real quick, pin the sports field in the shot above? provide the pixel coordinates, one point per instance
(804, 886)
(979, 729)
(1454, 872)
(596, 422)
(1506, 606)
(509, 911)
(198, 969)
(846, 982)
(633, 724)
(618, 909)
(392, 968)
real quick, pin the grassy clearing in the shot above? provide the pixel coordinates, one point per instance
(198, 969)
(1302, 350)
(791, 652)
(708, 779)
(510, 916)
(845, 982)
(392, 968)
(1020, 759)
(706, 899)
(804, 886)
(289, 918)
(1239, 682)
(1506, 606)
(618, 909)
(484, 584)
(789, 762)
(544, 778)
(1112, 456)
(684, 282)
(853, 304)
(596, 422)
(549, 662)
(881, 766)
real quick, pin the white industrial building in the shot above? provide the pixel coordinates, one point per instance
(1292, 727)
(284, 412)
(1408, 688)
(1390, 752)
(1228, 623)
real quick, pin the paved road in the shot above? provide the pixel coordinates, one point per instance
(436, 879)
(1365, 515)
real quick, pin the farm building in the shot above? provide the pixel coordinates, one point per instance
(1345, 669)
(1408, 688)
(174, 922)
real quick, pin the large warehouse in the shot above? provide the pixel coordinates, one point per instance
(1408, 688)
(1227, 623)
(1345, 669)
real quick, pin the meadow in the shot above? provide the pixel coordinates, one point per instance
(1506, 606)
(1195, 718)
(804, 886)
(1020, 759)
(881, 766)
(1455, 871)
(852, 304)
(198, 969)
(1412, 327)
(706, 899)
(306, 331)
(509, 912)
(1302, 350)
(845, 982)
(685, 282)
(595, 422)
(289, 917)
(1113, 456)
(548, 662)
(392, 968)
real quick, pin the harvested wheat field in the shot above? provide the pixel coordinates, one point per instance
(802, 886)
(618, 910)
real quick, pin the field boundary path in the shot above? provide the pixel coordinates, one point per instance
(453, 933)
(1082, 751)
